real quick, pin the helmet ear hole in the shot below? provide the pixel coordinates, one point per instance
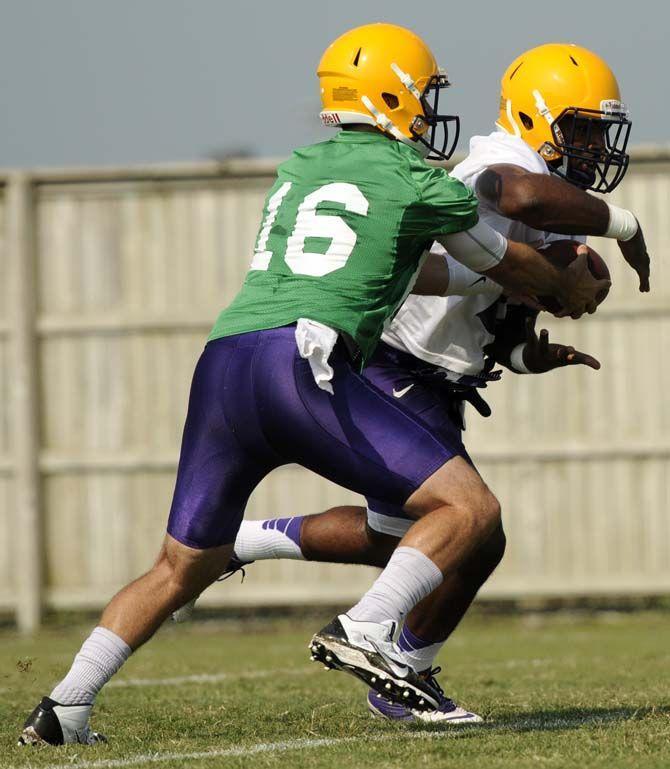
(527, 121)
(391, 100)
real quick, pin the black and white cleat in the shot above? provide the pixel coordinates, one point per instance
(54, 724)
(366, 651)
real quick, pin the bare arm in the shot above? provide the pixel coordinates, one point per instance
(433, 279)
(549, 203)
(522, 271)
(541, 201)
(441, 277)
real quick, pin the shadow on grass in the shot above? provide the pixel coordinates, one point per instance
(556, 720)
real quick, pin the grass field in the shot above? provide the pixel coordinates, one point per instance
(556, 691)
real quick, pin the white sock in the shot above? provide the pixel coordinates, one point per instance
(408, 577)
(100, 656)
(418, 652)
(272, 538)
(422, 659)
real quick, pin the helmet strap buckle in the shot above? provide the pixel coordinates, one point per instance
(419, 126)
(548, 152)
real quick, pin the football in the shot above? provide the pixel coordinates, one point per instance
(561, 253)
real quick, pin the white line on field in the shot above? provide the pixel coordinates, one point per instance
(156, 758)
(199, 678)
(207, 678)
(213, 678)
(236, 750)
(522, 724)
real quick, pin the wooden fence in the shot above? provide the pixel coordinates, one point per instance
(109, 282)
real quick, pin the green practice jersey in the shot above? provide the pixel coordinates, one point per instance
(343, 232)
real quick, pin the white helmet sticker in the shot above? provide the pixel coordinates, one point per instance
(614, 107)
(330, 118)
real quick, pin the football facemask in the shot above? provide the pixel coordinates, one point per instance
(438, 133)
(593, 147)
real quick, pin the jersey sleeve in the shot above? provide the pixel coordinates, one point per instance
(444, 205)
(497, 148)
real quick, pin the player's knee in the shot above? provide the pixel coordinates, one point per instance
(496, 546)
(185, 572)
(482, 512)
(486, 558)
(491, 513)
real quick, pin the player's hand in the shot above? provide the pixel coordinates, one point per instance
(580, 288)
(635, 253)
(541, 355)
(529, 301)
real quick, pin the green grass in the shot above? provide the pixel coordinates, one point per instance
(556, 691)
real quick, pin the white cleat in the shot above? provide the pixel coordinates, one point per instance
(447, 713)
(366, 650)
(448, 716)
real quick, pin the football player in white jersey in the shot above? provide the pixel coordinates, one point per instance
(562, 131)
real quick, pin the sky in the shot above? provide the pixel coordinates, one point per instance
(98, 82)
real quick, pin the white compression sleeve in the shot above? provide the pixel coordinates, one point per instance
(465, 282)
(462, 280)
(478, 248)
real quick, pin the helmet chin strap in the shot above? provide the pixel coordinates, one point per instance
(387, 125)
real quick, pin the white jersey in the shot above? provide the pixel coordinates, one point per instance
(449, 331)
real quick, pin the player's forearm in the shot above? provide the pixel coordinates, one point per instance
(510, 334)
(523, 271)
(544, 202)
(501, 351)
(442, 276)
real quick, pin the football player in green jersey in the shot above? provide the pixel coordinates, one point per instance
(439, 350)
(343, 235)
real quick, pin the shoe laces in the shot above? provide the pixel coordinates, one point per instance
(230, 573)
(430, 677)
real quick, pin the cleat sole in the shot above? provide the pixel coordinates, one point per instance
(336, 655)
(30, 737)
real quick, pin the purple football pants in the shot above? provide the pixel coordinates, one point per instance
(254, 406)
(423, 390)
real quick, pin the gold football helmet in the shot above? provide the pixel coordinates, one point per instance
(386, 76)
(564, 101)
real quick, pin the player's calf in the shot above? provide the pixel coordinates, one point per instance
(130, 619)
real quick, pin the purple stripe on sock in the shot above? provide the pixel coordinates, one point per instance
(291, 527)
(409, 642)
(288, 526)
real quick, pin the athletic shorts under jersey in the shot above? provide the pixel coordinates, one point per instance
(422, 390)
(343, 233)
(254, 405)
